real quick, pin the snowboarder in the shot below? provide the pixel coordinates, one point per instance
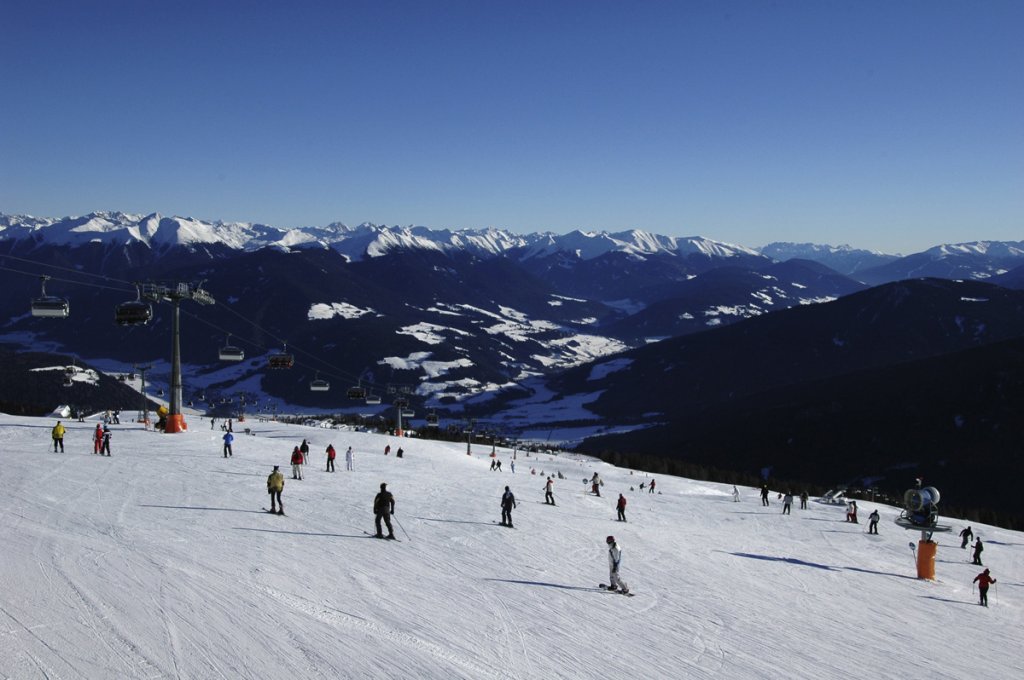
(228, 438)
(873, 522)
(105, 449)
(595, 484)
(851, 512)
(983, 580)
(803, 500)
(275, 485)
(650, 489)
(58, 437)
(787, 504)
(400, 453)
(304, 448)
(387, 449)
(97, 439)
(330, 457)
(349, 457)
(508, 501)
(967, 535)
(735, 494)
(549, 496)
(297, 461)
(383, 507)
(621, 507)
(978, 547)
(764, 494)
(614, 560)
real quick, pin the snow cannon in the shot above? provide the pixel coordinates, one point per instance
(921, 513)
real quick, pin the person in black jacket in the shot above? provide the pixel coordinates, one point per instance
(508, 501)
(977, 552)
(383, 507)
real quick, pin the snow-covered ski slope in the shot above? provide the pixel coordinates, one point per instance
(158, 563)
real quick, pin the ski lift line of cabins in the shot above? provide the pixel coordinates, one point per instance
(49, 305)
(231, 353)
(134, 312)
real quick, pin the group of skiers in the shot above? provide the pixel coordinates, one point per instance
(100, 438)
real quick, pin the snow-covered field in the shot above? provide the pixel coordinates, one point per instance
(158, 563)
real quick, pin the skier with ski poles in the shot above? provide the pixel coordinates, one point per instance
(228, 438)
(383, 508)
(620, 506)
(549, 496)
(58, 437)
(873, 522)
(966, 535)
(983, 580)
(330, 457)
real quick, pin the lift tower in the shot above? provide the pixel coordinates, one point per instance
(175, 294)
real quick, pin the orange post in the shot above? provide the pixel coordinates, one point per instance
(926, 559)
(175, 423)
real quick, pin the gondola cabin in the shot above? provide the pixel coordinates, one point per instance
(133, 313)
(231, 353)
(281, 360)
(432, 419)
(319, 385)
(51, 306)
(408, 413)
(357, 392)
(372, 400)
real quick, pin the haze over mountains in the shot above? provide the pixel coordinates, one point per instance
(544, 335)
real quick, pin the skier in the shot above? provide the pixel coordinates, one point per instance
(983, 580)
(787, 503)
(387, 449)
(873, 522)
(383, 507)
(297, 461)
(650, 489)
(304, 448)
(493, 464)
(499, 464)
(735, 494)
(97, 439)
(803, 500)
(764, 494)
(106, 441)
(851, 512)
(614, 560)
(58, 437)
(399, 453)
(513, 466)
(595, 484)
(275, 485)
(549, 496)
(213, 421)
(978, 547)
(228, 438)
(967, 535)
(508, 501)
(349, 456)
(621, 507)
(330, 458)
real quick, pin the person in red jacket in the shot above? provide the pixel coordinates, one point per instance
(330, 457)
(621, 507)
(297, 461)
(984, 580)
(97, 439)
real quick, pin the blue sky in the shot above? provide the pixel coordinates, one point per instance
(882, 124)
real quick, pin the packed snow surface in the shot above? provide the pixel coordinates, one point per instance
(158, 562)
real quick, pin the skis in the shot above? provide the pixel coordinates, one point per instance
(273, 512)
(510, 526)
(383, 538)
(604, 587)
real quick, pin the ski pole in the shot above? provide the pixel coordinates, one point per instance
(402, 528)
